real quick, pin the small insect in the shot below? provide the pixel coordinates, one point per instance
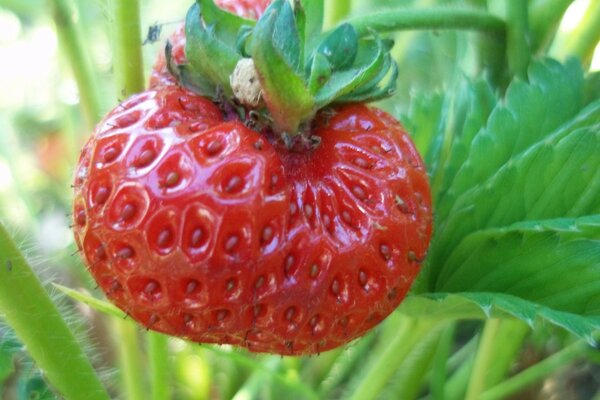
(9, 265)
(153, 34)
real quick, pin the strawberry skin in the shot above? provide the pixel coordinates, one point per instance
(204, 229)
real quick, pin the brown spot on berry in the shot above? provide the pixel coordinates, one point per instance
(128, 212)
(172, 179)
(80, 218)
(267, 234)
(164, 238)
(289, 263)
(102, 195)
(125, 252)
(314, 271)
(259, 282)
(145, 158)
(335, 287)
(214, 147)
(290, 313)
(192, 286)
(385, 252)
(231, 243)
(233, 185)
(362, 278)
(196, 239)
(359, 192)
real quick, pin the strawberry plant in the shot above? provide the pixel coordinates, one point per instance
(255, 229)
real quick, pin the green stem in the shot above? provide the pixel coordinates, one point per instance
(517, 37)
(500, 341)
(582, 41)
(70, 37)
(545, 17)
(345, 364)
(440, 363)
(432, 18)
(160, 365)
(28, 309)
(128, 65)
(386, 362)
(408, 382)
(535, 373)
(128, 68)
(130, 359)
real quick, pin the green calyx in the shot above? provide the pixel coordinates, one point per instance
(300, 68)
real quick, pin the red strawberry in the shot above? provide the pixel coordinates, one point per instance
(246, 8)
(200, 227)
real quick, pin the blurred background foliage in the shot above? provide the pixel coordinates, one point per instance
(42, 127)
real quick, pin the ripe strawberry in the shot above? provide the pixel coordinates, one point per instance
(252, 9)
(289, 242)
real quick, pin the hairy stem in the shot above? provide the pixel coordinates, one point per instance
(38, 324)
(127, 42)
(77, 54)
(517, 37)
(432, 18)
(537, 372)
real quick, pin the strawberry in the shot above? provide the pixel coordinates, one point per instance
(293, 237)
(252, 9)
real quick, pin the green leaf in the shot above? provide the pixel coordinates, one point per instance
(464, 112)
(557, 177)
(482, 305)
(555, 263)
(285, 93)
(529, 113)
(207, 54)
(314, 11)
(369, 61)
(97, 304)
(286, 38)
(320, 72)
(340, 46)
(227, 25)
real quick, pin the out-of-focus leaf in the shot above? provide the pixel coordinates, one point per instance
(7, 366)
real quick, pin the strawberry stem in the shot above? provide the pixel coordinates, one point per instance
(517, 36)
(128, 67)
(385, 362)
(29, 310)
(500, 341)
(537, 372)
(127, 40)
(437, 18)
(71, 41)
